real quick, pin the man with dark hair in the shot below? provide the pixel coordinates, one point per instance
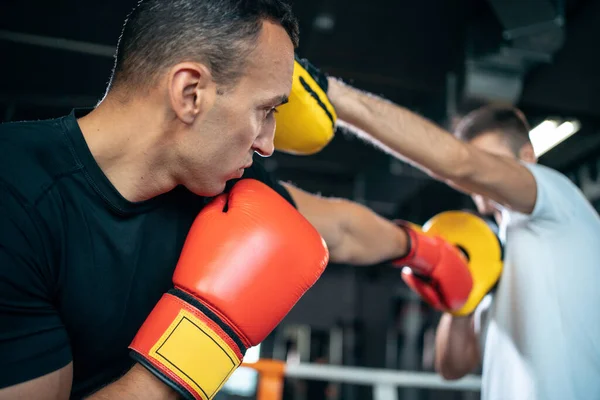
(538, 338)
(158, 35)
(96, 207)
(498, 129)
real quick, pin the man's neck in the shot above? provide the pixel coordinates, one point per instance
(128, 143)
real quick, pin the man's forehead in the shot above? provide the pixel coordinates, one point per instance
(492, 142)
(274, 49)
(273, 81)
(488, 137)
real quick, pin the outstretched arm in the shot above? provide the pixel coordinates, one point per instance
(432, 149)
(353, 233)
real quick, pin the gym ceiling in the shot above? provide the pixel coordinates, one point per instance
(437, 57)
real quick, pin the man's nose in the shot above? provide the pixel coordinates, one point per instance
(263, 145)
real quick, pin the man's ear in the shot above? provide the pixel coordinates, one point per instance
(192, 91)
(527, 153)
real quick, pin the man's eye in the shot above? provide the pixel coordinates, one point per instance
(270, 112)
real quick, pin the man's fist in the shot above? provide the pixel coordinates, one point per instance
(248, 258)
(454, 261)
(436, 270)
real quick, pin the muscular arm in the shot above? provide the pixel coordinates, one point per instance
(137, 384)
(53, 386)
(353, 233)
(456, 347)
(434, 150)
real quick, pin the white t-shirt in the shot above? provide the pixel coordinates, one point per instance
(540, 333)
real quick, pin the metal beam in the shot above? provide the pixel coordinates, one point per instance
(58, 43)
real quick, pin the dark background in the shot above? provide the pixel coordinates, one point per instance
(440, 58)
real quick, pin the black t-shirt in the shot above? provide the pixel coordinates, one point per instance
(80, 267)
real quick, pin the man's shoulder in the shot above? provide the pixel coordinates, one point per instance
(550, 179)
(33, 154)
(544, 173)
(555, 187)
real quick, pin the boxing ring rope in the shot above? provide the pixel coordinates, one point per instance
(384, 381)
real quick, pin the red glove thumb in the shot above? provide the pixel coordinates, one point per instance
(424, 288)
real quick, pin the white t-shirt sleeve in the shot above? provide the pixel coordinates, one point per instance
(554, 192)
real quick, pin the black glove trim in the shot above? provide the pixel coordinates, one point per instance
(163, 378)
(211, 315)
(318, 99)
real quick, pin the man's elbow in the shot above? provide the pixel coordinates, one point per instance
(460, 167)
(452, 368)
(339, 255)
(449, 371)
(349, 241)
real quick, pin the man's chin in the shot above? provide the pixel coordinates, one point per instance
(236, 175)
(239, 173)
(209, 191)
(217, 188)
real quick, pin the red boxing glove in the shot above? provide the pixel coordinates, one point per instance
(248, 258)
(436, 270)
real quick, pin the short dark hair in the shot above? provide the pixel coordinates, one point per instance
(219, 33)
(504, 120)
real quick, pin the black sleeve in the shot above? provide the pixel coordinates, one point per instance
(258, 172)
(33, 340)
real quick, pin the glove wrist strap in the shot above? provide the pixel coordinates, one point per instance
(424, 253)
(186, 348)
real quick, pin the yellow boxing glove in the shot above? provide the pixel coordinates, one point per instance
(306, 124)
(472, 235)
